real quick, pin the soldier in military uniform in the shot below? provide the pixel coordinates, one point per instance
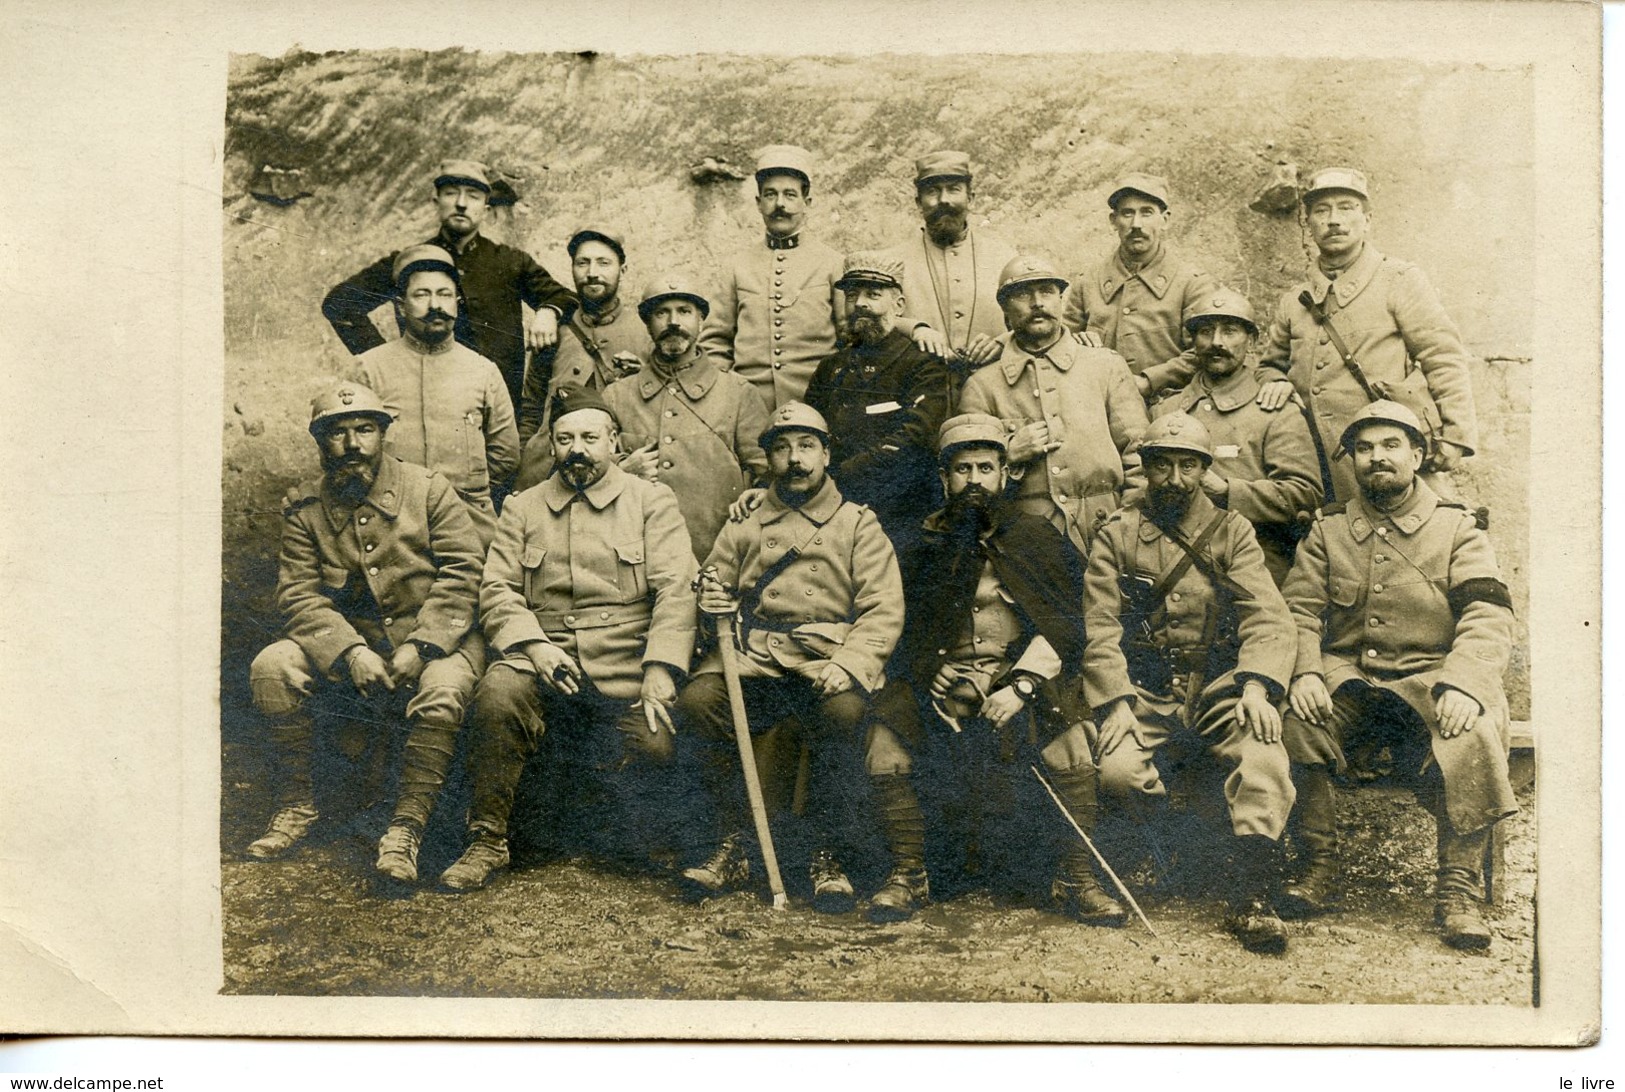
(587, 607)
(1190, 648)
(1073, 410)
(777, 313)
(1404, 631)
(991, 655)
(815, 586)
(685, 422)
(378, 580)
(1265, 464)
(451, 409)
(600, 343)
(1136, 298)
(951, 270)
(1391, 322)
(884, 399)
(496, 281)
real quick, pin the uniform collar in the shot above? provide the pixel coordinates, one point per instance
(893, 345)
(441, 240)
(1235, 391)
(423, 348)
(607, 317)
(929, 244)
(384, 496)
(1197, 517)
(1408, 518)
(599, 494)
(1154, 274)
(1015, 358)
(1350, 282)
(788, 242)
(696, 379)
(818, 509)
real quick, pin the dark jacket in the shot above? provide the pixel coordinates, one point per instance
(495, 280)
(884, 404)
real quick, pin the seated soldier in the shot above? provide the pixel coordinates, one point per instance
(378, 581)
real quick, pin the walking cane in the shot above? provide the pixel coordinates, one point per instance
(727, 636)
(1067, 815)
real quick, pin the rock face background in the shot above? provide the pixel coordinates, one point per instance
(328, 159)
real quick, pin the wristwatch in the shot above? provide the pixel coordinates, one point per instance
(1024, 686)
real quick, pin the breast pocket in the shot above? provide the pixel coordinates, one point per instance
(334, 579)
(630, 571)
(530, 568)
(1344, 593)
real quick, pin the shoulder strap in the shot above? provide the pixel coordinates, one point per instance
(1194, 556)
(1324, 321)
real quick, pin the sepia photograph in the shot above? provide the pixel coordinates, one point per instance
(1007, 536)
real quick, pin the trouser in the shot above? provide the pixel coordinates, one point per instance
(983, 768)
(514, 711)
(832, 728)
(292, 693)
(1258, 790)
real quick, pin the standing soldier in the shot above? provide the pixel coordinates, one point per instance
(496, 281)
(601, 342)
(378, 580)
(1189, 649)
(1404, 631)
(586, 601)
(1265, 465)
(1386, 314)
(884, 399)
(951, 270)
(814, 584)
(686, 423)
(1073, 410)
(992, 651)
(778, 313)
(451, 410)
(1134, 299)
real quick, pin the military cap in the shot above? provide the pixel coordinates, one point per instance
(1177, 432)
(1221, 303)
(982, 429)
(1146, 185)
(1383, 412)
(467, 172)
(346, 400)
(609, 238)
(666, 286)
(794, 416)
(1336, 178)
(784, 159)
(1027, 269)
(423, 256)
(571, 398)
(871, 267)
(941, 165)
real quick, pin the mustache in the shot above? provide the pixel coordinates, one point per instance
(672, 331)
(798, 472)
(436, 313)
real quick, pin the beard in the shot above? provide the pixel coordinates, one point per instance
(1166, 505)
(350, 476)
(1383, 483)
(796, 486)
(434, 327)
(971, 505)
(579, 472)
(673, 342)
(945, 225)
(866, 327)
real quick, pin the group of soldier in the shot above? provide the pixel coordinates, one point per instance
(1136, 546)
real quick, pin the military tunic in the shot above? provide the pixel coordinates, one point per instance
(1258, 787)
(704, 424)
(1408, 602)
(451, 413)
(1141, 313)
(587, 344)
(953, 289)
(1088, 399)
(495, 283)
(1392, 322)
(1267, 457)
(776, 316)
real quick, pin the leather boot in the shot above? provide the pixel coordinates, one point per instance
(292, 740)
(1075, 891)
(1319, 886)
(1252, 918)
(427, 757)
(1459, 886)
(907, 888)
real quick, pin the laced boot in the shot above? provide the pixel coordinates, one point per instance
(907, 888)
(1319, 886)
(486, 854)
(727, 868)
(1460, 881)
(1251, 918)
(1075, 891)
(288, 826)
(832, 891)
(398, 852)
(292, 740)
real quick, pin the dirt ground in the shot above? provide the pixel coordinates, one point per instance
(567, 925)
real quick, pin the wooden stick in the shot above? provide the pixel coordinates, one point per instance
(1121, 887)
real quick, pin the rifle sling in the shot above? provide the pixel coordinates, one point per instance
(1318, 310)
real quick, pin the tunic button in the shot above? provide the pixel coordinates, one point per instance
(369, 547)
(1317, 390)
(1060, 496)
(1377, 588)
(819, 541)
(389, 621)
(773, 594)
(959, 314)
(1374, 622)
(778, 336)
(809, 591)
(778, 363)
(1323, 340)
(1382, 532)
(1372, 653)
(671, 413)
(1320, 365)
(942, 652)
(671, 390)
(1128, 310)
(569, 619)
(813, 566)
(373, 571)
(1054, 470)
(776, 642)
(777, 349)
(666, 465)
(669, 440)
(363, 519)
(779, 256)
(1174, 597)
(1380, 557)
(778, 322)
(772, 542)
(603, 614)
(978, 640)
